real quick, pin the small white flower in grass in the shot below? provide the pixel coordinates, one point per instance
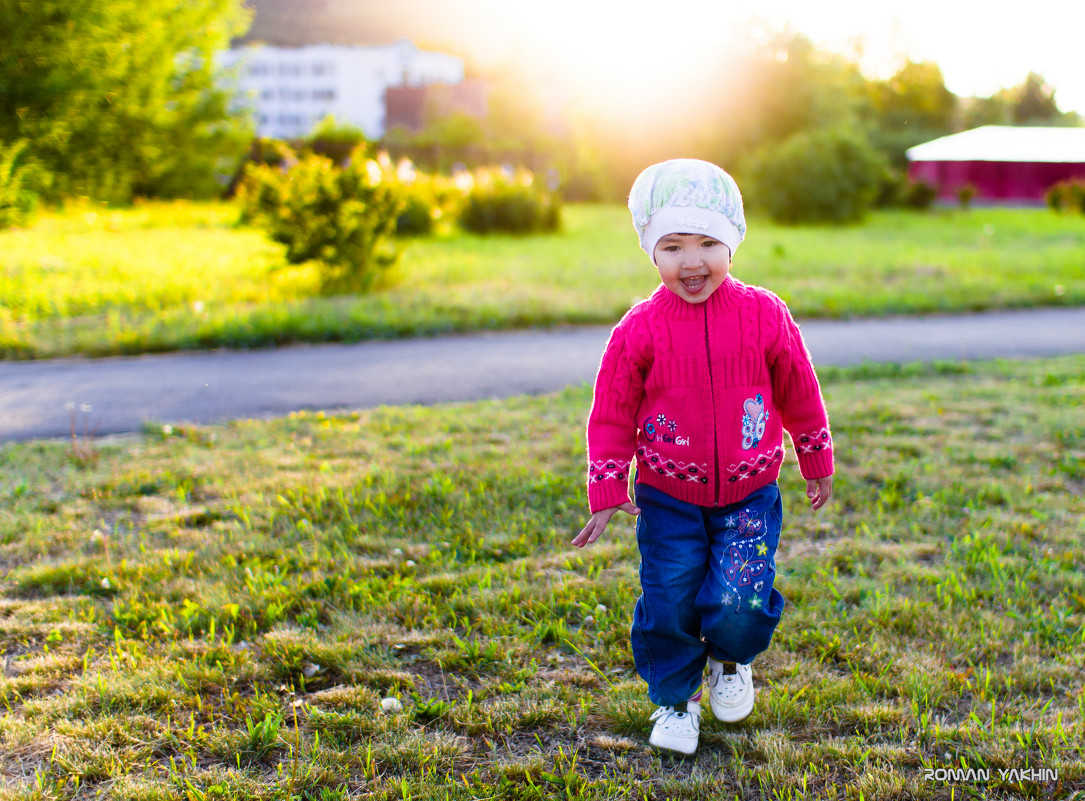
(589, 621)
(411, 563)
(391, 705)
(311, 670)
(198, 307)
(397, 552)
(1059, 289)
(105, 584)
(600, 609)
(297, 702)
(167, 430)
(97, 536)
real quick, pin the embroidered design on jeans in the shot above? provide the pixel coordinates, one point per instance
(745, 563)
(754, 418)
(743, 570)
(749, 526)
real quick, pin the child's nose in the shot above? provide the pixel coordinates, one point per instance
(692, 257)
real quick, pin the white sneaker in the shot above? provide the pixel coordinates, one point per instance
(675, 730)
(731, 694)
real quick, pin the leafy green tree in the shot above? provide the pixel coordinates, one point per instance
(121, 97)
(786, 87)
(911, 107)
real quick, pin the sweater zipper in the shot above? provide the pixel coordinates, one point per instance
(712, 387)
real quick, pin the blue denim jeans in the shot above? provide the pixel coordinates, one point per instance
(706, 578)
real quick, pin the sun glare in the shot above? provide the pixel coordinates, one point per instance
(619, 53)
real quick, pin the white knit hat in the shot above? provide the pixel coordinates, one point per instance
(686, 196)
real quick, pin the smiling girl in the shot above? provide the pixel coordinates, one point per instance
(698, 384)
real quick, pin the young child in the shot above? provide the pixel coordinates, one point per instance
(698, 383)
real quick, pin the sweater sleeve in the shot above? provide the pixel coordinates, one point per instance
(798, 396)
(612, 424)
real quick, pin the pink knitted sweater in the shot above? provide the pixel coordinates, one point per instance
(701, 395)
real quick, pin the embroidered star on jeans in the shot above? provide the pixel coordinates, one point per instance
(727, 598)
(755, 603)
(762, 549)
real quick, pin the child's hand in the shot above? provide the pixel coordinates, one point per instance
(598, 523)
(818, 491)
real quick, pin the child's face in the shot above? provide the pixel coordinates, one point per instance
(692, 266)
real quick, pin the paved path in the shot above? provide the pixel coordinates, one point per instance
(207, 387)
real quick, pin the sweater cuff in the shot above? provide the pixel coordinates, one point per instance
(817, 464)
(607, 493)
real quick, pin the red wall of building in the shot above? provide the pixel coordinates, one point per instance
(994, 180)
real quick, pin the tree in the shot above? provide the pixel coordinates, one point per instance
(788, 86)
(1034, 101)
(911, 107)
(121, 97)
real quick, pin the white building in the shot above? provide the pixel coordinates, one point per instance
(293, 88)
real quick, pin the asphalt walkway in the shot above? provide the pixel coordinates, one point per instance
(38, 398)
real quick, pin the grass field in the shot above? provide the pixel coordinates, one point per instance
(178, 276)
(217, 613)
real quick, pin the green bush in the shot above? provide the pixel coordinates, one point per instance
(965, 194)
(17, 200)
(509, 203)
(334, 139)
(428, 199)
(830, 175)
(1068, 195)
(342, 217)
(919, 195)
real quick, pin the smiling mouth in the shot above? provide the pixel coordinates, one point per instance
(695, 283)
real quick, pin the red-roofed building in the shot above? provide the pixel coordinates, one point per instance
(1003, 163)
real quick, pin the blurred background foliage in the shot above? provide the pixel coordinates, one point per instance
(117, 99)
(121, 98)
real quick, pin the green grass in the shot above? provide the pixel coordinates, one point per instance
(218, 612)
(178, 276)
